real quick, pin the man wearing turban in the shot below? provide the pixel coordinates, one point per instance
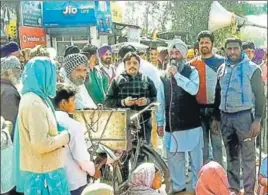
(107, 69)
(183, 131)
(10, 97)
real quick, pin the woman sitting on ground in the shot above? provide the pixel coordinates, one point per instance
(146, 179)
(212, 180)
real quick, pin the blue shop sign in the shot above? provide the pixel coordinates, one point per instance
(31, 13)
(104, 16)
(68, 13)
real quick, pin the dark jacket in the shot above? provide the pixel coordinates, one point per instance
(124, 86)
(184, 109)
(10, 99)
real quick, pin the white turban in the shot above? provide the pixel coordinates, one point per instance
(9, 63)
(180, 45)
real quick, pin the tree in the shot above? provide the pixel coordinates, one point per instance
(193, 16)
(149, 15)
(130, 16)
(186, 16)
(190, 16)
(157, 14)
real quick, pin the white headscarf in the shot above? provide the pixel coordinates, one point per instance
(8, 63)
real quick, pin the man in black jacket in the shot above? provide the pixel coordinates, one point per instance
(132, 89)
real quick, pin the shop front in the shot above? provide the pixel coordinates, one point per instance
(72, 23)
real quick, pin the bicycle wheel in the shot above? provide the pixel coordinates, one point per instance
(111, 175)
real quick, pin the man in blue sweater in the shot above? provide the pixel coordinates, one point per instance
(241, 100)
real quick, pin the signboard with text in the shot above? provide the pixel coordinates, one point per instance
(104, 16)
(31, 37)
(68, 13)
(31, 13)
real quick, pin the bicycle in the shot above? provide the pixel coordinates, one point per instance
(139, 150)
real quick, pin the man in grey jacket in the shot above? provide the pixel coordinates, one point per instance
(241, 100)
(10, 97)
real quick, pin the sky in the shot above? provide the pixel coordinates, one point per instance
(257, 2)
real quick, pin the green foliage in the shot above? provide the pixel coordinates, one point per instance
(187, 16)
(192, 16)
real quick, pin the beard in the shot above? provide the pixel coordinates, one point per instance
(206, 50)
(234, 58)
(14, 79)
(78, 81)
(107, 61)
(179, 63)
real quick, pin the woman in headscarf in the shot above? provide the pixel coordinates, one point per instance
(212, 180)
(145, 180)
(41, 140)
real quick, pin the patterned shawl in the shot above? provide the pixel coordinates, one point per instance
(141, 180)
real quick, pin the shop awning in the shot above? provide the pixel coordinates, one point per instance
(68, 14)
(71, 31)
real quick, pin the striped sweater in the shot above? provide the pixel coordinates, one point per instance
(207, 70)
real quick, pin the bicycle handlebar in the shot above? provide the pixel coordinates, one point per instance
(156, 104)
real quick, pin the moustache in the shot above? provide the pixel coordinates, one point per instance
(204, 48)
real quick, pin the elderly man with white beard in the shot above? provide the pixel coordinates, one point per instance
(10, 97)
(183, 131)
(75, 67)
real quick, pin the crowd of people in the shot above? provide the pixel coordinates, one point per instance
(210, 104)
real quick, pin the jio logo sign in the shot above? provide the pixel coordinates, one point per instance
(70, 10)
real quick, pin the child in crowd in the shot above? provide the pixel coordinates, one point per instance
(78, 163)
(263, 178)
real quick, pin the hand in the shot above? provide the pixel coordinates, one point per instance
(97, 174)
(160, 131)
(129, 101)
(172, 70)
(215, 127)
(142, 101)
(255, 129)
